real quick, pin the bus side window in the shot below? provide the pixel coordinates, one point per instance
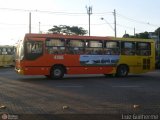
(75, 46)
(111, 48)
(94, 47)
(128, 48)
(55, 46)
(4, 51)
(143, 49)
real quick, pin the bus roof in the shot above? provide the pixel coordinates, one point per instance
(34, 35)
(6, 46)
(67, 36)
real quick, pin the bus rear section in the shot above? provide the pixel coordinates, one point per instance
(138, 55)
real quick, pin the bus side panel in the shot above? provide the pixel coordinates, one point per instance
(42, 66)
(36, 70)
(9, 59)
(132, 63)
(90, 70)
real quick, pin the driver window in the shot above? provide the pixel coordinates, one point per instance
(34, 47)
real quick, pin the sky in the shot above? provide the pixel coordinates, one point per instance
(143, 15)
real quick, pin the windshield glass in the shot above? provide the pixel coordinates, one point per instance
(20, 51)
(33, 49)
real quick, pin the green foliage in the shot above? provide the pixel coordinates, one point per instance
(126, 36)
(144, 35)
(74, 30)
(157, 31)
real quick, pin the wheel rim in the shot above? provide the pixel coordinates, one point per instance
(57, 72)
(123, 71)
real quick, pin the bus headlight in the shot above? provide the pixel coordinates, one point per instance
(20, 71)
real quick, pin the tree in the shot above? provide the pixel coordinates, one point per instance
(126, 36)
(74, 30)
(144, 35)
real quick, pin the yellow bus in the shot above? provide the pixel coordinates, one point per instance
(54, 55)
(7, 55)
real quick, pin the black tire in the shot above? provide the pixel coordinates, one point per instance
(122, 71)
(57, 72)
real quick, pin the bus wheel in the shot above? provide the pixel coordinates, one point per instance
(57, 72)
(122, 71)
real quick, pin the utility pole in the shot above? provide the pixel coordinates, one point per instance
(89, 12)
(158, 45)
(115, 24)
(39, 27)
(134, 32)
(30, 22)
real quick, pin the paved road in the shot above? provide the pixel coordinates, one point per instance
(80, 94)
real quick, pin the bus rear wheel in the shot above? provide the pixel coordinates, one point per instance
(122, 71)
(57, 72)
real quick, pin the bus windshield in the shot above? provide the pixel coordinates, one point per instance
(33, 49)
(20, 51)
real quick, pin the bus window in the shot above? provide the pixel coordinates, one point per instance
(55, 46)
(94, 47)
(111, 48)
(34, 49)
(76, 46)
(128, 48)
(9, 51)
(143, 49)
(4, 51)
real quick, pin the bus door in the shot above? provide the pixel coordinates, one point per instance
(144, 56)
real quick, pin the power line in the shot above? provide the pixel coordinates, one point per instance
(108, 23)
(136, 21)
(9, 24)
(12, 24)
(51, 12)
(78, 14)
(128, 27)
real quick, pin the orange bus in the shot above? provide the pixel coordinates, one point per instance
(54, 55)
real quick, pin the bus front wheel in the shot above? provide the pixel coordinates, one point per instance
(57, 72)
(122, 71)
